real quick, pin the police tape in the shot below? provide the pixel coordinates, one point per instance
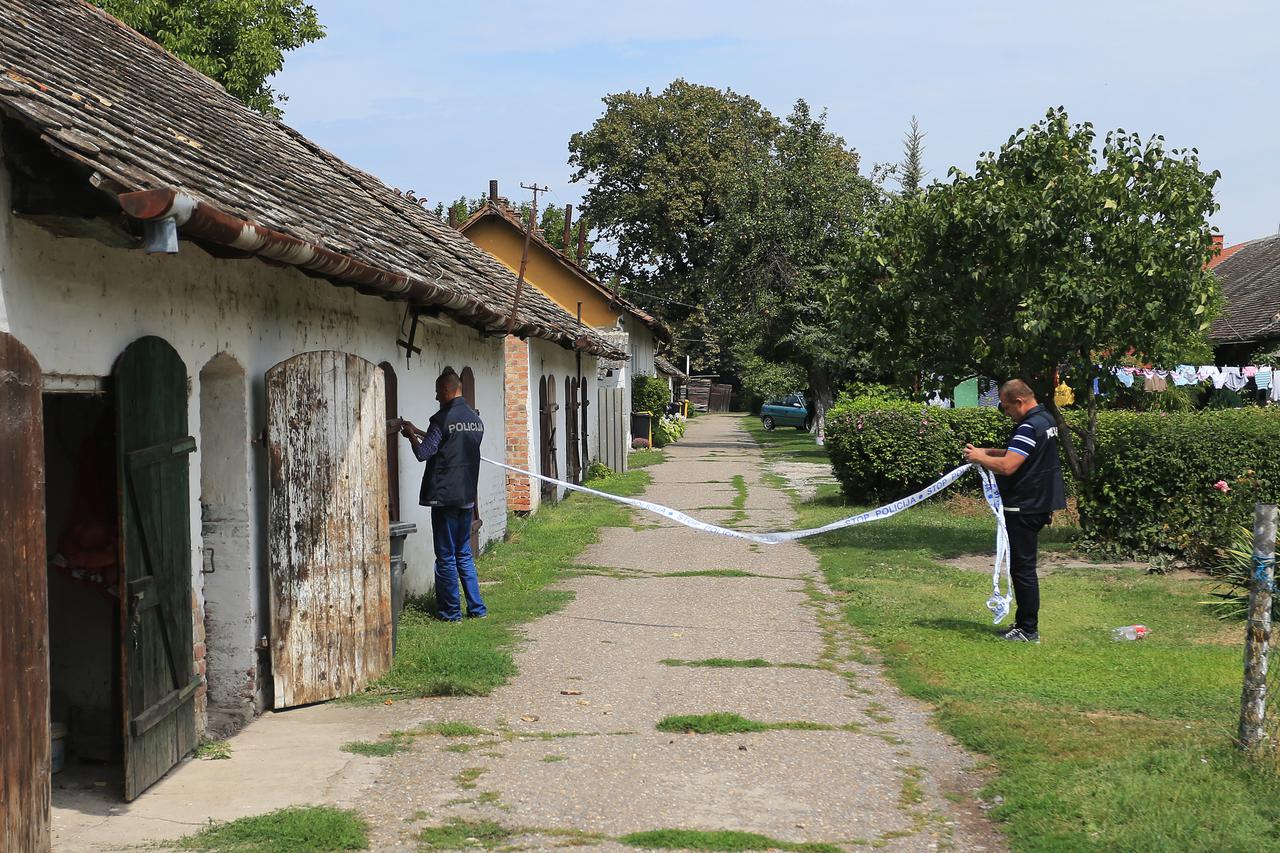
(998, 604)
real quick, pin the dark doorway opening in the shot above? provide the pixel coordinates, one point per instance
(82, 522)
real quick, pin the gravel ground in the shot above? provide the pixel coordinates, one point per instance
(574, 746)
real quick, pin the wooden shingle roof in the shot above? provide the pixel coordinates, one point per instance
(138, 119)
(1250, 279)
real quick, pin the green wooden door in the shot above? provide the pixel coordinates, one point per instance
(155, 533)
(24, 614)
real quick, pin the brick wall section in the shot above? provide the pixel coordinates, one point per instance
(198, 659)
(516, 385)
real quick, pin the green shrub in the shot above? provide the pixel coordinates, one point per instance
(650, 394)
(666, 430)
(1153, 489)
(884, 449)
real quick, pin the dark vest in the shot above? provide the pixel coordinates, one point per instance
(453, 472)
(1037, 484)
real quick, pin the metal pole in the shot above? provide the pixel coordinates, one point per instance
(524, 256)
(1253, 699)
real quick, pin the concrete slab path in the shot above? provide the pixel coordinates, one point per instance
(572, 755)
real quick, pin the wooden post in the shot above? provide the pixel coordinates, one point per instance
(1253, 699)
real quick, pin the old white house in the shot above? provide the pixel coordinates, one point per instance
(207, 326)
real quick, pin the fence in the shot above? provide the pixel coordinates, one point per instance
(1257, 729)
(613, 417)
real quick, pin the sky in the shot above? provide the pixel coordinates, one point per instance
(441, 97)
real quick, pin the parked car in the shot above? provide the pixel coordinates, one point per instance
(791, 411)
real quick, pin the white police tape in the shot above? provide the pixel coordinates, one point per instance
(998, 603)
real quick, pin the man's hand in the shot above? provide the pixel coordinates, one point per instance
(976, 455)
(408, 430)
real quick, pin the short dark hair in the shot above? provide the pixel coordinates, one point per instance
(448, 381)
(1017, 389)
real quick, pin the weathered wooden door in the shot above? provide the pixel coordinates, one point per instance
(547, 419)
(328, 533)
(24, 611)
(583, 434)
(150, 385)
(572, 461)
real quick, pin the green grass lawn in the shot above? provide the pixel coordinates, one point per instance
(304, 829)
(1096, 745)
(474, 656)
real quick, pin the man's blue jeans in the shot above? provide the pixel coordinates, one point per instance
(451, 530)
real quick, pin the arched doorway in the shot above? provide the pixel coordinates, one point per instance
(229, 585)
(393, 440)
(572, 461)
(547, 433)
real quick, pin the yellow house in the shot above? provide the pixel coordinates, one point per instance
(560, 418)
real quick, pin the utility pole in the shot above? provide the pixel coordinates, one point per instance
(524, 256)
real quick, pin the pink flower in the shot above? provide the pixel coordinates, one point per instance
(1222, 486)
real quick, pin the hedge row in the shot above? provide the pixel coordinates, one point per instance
(1154, 487)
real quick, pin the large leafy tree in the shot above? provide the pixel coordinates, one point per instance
(1051, 255)
(239, 43)
(659, 168)
(790, 215)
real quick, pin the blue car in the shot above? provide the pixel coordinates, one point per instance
(790, 411)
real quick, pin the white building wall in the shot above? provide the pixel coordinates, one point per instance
(643, 349)
(77, 304)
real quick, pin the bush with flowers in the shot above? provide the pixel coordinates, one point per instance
(1181, 483)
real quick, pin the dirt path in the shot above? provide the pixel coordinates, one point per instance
(574, 745)
(569, 753)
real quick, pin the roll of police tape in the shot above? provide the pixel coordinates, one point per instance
(998, 603)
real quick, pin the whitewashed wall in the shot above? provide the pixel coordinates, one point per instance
(643, 348)
(76, 304)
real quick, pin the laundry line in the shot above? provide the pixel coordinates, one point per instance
(998, 604)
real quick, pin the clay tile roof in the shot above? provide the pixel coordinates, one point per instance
(1250, 280)
(501, 211)
(667, 368)
(136, 118)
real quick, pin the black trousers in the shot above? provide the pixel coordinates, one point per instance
(1024, 533)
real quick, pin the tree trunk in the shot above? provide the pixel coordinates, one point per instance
(820, 384)
(1079, 445)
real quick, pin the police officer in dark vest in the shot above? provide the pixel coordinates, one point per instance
(451, 449)
(1029, 474)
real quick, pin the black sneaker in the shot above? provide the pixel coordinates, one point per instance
(1017, 635)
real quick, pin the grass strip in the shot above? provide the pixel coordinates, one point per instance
(718, 840)
(727, 723)
(475, 656)
(457, 834)
(1098, 745)
(305, 829)
(737, 663)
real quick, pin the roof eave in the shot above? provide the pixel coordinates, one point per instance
(204, 221)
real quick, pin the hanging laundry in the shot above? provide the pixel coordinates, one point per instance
(1263, 378)
(1063, 395)
(1219, 377)
(1206, 372)
(1124, 376)
(1250, 371)
(1155, 383)
(1184, 375)
(1233, 379)
(1275, 391)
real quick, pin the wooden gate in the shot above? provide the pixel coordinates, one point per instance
(583, 434)
(24, 623)
(150, 384)
(613, 426)
(572, 461)
(547, 433)
(328, 532)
